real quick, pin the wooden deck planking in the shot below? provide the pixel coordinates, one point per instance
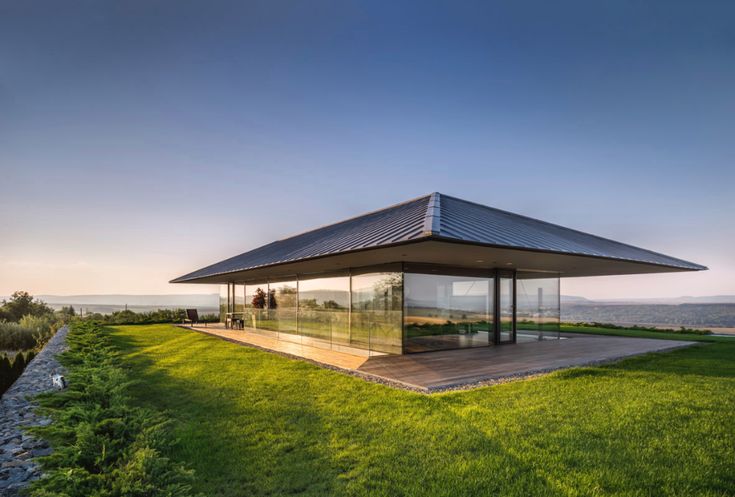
(324, 356)
(440, 370)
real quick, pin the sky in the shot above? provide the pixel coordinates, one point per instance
(142, 140)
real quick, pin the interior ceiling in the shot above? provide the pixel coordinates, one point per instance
(452, 254)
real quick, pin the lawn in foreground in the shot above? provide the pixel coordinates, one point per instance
(254, 423)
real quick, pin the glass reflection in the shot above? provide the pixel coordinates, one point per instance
(282, 309)
(256, 308)
(323, 311)
(447, 312)
(505, 307)
(223, 302)
(538, 306)
(375, 320)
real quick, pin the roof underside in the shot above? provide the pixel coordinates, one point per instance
(438, 223)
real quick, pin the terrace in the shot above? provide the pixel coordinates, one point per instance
(442, 370)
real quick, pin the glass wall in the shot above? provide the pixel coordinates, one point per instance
(538, 306)
(239, 298)
(447, 311)
(282, 309)
(383, 310)
(375, 317)
(223, 301)
(324, 305)
(256, 308)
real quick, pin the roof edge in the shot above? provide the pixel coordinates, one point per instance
(610, 240)
(439, 238)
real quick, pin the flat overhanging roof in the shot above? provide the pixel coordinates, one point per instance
(439, 229)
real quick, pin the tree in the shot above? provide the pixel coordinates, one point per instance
(22, 304)
(272, 304)
(68, 311)
(259, 299)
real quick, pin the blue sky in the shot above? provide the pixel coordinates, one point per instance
(141, 140)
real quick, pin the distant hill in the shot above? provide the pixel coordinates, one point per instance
(714, 311)
(710, 299)
(205, 303)
(691, 315)
(205, 299)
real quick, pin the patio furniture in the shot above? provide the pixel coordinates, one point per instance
(235, 320)
(192, 317)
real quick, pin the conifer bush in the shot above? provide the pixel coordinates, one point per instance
(104, 446)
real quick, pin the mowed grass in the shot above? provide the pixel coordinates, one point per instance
(625, 332)
(254, 423)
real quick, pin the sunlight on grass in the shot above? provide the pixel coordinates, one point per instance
(254, 423)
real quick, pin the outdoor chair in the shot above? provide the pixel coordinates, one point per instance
(192, 317)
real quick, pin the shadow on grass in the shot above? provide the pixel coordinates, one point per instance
(255, 423)
(216, 433)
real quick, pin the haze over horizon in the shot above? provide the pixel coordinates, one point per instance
(141, 141)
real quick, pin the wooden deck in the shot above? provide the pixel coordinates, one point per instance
(336, 358)
(436, 371)
(447, 369)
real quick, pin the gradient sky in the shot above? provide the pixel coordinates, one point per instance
(142, 140)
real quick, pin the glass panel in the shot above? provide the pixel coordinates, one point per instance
(538, 305)
(323, 311)
(256, 308)
(375, 319)
(505, 305)
(447, 312)
(239, 298)
(223, 289)
(282, 307)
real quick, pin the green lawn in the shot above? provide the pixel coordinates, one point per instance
(596, 330)
(254, 423)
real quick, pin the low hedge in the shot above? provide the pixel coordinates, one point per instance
(12, 366)
(103, 446)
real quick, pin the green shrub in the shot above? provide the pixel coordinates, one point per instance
(38, 324)
(13, 336)
(11, 367)
(6, 373)
(22, 304)
(681, 329)
(103, 445)
(158, 316)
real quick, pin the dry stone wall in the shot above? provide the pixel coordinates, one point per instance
(17, 448)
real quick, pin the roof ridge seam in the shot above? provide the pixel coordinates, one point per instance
(432, 219)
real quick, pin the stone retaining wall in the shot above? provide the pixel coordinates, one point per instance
(17, 449)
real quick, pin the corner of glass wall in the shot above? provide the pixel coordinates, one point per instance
(538, 306)
(447, 308)
(376, 315)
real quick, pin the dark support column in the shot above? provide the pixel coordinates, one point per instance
(496, 309)
(515, 295)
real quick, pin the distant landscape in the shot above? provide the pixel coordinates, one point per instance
(716, 311)
(205, 303)
(702, 312)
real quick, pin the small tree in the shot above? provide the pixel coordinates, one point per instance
(272, 304)
(259, 299)
(23, 304)
(6, 373)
